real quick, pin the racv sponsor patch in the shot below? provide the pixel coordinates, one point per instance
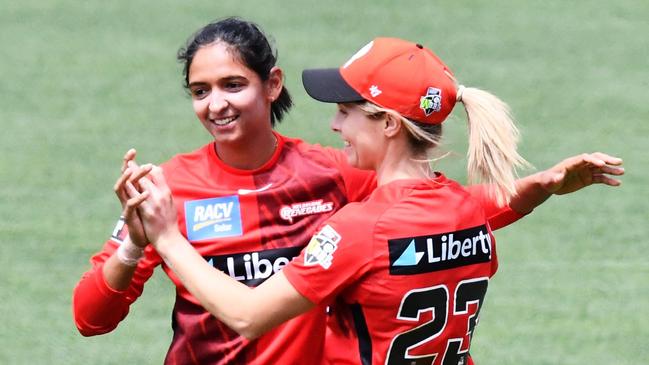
(321, 248)
(213, 218)
(421, 254)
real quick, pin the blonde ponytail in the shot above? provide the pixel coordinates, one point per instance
(492, 155)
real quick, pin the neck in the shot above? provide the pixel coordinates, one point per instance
(250, 154)
(399, 163)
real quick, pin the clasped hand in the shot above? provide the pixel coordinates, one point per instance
(147, 204)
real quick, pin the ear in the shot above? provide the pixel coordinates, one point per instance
(392, 125)
(275, 83)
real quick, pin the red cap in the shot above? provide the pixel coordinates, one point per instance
(392, 73)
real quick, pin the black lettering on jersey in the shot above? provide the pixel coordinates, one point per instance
(422, 254)
(253, 268)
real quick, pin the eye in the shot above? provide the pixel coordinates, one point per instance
(198, 93)
(234, 85)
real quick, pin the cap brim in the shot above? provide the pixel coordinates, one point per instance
(327, 85)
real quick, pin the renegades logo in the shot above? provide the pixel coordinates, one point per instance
(288, 212)
(213, 218)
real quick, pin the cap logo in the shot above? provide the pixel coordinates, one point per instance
(432, 101)
(361, 52)
(374, 91)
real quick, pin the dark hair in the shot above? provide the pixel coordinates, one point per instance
(252, 49)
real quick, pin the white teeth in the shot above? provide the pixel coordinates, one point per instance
(224, 121)
(347, 144)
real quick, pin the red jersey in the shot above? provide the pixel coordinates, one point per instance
(248, 224)
(413, 262)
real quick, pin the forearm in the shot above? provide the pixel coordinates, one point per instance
(224, 297)
(117, 273)
(97, 308)
(530, 194)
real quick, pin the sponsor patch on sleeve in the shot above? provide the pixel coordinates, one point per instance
(213, 218)
(321, 248)
(120, 231)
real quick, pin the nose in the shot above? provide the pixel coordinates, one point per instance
(217, 103)
(336, 123)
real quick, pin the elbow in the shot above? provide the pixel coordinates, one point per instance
(249, 330)
(89, 331)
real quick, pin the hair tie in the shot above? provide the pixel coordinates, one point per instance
(460, 91)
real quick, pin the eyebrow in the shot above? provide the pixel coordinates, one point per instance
(223, 79)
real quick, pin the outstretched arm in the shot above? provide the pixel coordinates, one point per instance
(249, 311)
(569, 175)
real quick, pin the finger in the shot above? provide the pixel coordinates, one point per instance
(158, 178)
(610, 160)
(141, 172)
(138, 200)
(128, 156)
(612, 170)
(118, 188)
(147, 185)
(606, 180)
(131, 191)
(593, 160)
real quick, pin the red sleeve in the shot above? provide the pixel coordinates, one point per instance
(335, 258)
(98, 308)
(358, 183)
(497, 216)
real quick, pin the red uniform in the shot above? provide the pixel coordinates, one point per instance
(412, 262)
(248, 224)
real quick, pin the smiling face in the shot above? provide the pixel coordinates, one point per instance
(230, 100)
(363, 136)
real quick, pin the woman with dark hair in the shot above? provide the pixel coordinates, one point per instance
(249, 201)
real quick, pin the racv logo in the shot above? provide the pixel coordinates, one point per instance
(213, 218)
(415, 255)
(252, 268)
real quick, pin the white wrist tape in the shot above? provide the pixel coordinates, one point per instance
(129, 254)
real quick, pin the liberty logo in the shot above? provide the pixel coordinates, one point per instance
(432, 101)
(253, 268)
(415, 255)
(409, 257)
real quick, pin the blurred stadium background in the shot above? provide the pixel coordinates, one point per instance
(81, 82)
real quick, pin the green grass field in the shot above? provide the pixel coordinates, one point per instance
(83, 82)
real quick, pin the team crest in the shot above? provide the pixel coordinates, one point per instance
(321, 248)
(432, 101)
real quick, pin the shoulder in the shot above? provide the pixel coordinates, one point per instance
(358, 219)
